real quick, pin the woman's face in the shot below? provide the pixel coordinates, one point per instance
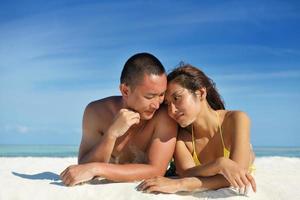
(183, 106)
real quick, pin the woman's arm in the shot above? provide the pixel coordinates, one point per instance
(234, 169)
(239, 127)
(205, 170)
(187, 184)
(182, 156)
(212, 175)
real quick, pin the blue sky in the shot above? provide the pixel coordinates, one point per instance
(57, 56)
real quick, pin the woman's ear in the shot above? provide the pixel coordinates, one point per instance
(125, 90)
(201, 93)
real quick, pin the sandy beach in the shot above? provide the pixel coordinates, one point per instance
(38, 178)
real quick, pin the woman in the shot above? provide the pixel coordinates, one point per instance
(213, 148)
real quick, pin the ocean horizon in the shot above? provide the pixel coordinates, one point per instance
(72, 151)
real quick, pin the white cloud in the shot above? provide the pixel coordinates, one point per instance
(22, 129)
(17, 128)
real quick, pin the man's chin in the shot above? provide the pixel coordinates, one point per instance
(147, 115)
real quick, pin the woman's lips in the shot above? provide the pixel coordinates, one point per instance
(177, 116)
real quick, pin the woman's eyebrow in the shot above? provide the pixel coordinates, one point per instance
(177, 92)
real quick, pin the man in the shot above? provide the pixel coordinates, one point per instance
(128, 137)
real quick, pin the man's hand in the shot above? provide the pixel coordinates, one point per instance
(75, 174)
(122, 122)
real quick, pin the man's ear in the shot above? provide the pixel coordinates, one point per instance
(125, 90)
(201, 93)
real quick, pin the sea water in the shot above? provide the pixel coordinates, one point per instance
(72, 151)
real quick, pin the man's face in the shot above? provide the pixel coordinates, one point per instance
(147, 96)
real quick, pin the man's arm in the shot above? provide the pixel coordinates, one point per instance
(160, 152)
(95, 145)
(92, 150)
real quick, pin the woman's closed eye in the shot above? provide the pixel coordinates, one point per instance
(176, 98)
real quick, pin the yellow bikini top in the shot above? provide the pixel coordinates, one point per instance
(226, 152)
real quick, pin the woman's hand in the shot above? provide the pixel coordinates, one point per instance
(160, 185)
(236, 175)
(75, 174)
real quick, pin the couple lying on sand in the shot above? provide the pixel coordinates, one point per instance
(159, 117)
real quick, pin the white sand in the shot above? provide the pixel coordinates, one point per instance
(37, 178)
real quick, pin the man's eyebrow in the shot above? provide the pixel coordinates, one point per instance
(155, 94)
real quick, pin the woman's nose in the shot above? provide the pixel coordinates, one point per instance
(172, 108)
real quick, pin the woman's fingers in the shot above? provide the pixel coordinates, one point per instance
(231, 180)
(241, 186)
(252, 181)
(244, 183)
(159, 185)
(146, 184)
(234, 183)
(153, 189)
(245, 180)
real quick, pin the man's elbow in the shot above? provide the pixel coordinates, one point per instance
(158, 171)
(79, 160)
(80, 156)
(82, 159)
(85, 159)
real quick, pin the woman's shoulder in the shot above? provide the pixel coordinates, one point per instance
(233, 118)
(234, 122)
(236, 115)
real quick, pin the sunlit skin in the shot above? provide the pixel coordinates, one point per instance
(145, 98)
(183, 108)
(191, 108)
(112, 126)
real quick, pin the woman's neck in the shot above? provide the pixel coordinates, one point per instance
(206, 123)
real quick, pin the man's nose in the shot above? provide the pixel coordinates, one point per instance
(156, 102)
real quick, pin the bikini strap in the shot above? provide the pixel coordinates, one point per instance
(193, 140)
(220, 130)
(195, 157)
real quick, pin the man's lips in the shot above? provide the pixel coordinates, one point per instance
(150, 111)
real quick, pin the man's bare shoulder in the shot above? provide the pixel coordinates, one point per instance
(161, 118)
(104, 107)
(162, 113)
